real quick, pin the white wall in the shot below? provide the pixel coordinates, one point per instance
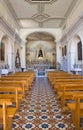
(23, 56)
(71, 38)
(10, 46)
(75, 14)
(7, 14)
(57, 33)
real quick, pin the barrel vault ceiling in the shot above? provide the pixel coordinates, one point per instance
(40, 13)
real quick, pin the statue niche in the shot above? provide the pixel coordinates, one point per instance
(40, 54)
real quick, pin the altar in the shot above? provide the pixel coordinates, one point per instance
(40, 67)
(40, 71)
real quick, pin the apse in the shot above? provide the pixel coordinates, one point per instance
(40, 49)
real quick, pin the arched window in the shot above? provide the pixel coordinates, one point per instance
(2, 51)
(79, 47)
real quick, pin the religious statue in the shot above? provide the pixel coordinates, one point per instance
(17, 59)
(40, 54)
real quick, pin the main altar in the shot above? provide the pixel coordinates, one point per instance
(40, 57)
(40, 67)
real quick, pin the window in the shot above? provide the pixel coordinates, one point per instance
(62, 51)
(65, 50)
(79, 47)
(2, 51)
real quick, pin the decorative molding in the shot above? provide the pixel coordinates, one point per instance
(41, 7)
(7, 2)
(73, 30)
(40, 17)
(76, 26)
(38, 36)
(73, 3)
(40, 11)
(41, 1)
(6, 26)
(50, 17)
(41, 24)
(9, 29)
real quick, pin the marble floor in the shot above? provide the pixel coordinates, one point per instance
(41, 110)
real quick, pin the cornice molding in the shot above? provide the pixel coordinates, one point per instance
(74, 29)
(73, 4)
(6, 26)
(76, 26)
(7, 2)
(9, 30)
(41, 1)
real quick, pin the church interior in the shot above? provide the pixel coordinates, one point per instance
(41, 64)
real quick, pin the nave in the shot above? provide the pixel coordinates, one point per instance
(41, 110)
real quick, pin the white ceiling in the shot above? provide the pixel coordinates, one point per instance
(41, 14)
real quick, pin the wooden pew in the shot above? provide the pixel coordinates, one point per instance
(7, 95)
(22, 76)
(59, 90)
(21, 84)
(8, 83)
(5, 120)
(76, 109)
(13, 92)
(23, 80)
(67, 90)
(70, 87)
(29, 77)
(58, 78)
(66, 81)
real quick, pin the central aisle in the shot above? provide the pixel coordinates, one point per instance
(41, 110)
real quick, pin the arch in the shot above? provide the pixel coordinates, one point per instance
(79, 47)
(40, 46)
(40, 36)
(76, 52)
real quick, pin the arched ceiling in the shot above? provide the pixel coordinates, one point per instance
(40, 36)
(41, 13)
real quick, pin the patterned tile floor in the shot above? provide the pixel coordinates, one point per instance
(41, 110)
